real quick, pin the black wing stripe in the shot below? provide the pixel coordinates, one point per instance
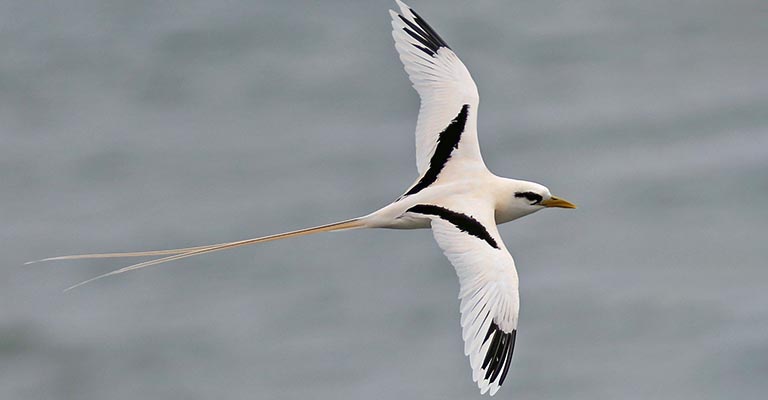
(431, 50)
(424, 49)
(424, 34)
(492, 350)
(419, 34)
(499, 356)
(463, 222)
(509, 357)
(428, 29)
(447, 141)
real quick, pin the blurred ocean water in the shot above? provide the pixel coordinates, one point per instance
(138, 125)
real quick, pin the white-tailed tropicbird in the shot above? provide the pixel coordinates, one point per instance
(455, 195)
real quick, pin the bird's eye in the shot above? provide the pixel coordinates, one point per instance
(530, 196)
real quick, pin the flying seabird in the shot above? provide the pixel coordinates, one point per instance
(455, 195)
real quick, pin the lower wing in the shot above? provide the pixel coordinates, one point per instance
(489, 296)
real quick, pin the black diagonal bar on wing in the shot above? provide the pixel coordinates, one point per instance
(463, 222)
(447, 142)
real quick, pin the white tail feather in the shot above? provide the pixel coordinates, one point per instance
(178, 254)
(120, 255)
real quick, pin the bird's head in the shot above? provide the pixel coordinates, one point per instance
(529, 197)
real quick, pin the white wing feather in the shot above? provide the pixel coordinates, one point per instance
(444, 86)
(488, 292)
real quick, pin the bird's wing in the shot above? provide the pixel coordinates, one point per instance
(490, 302)
(447, 123)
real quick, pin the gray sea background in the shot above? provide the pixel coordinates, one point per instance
(134, 125)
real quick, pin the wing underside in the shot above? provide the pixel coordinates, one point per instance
(488, 287)
(447, 123)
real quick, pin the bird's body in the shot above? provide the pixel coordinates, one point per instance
(455, 195)
(481, 189)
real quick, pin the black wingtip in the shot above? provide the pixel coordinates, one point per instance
(499, 356)
(428, 29)
(420, 30)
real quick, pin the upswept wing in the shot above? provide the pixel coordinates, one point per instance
(488, 287)
(447, 122)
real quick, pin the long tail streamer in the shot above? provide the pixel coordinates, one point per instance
(178, 254)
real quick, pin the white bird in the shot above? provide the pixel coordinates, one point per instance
(455, 195)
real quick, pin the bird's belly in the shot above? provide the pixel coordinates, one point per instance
(408, 222)
(395, 216)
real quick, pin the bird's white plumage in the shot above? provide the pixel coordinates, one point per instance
(487, 275)
(488, 285)
(444, 86)
(456, 195)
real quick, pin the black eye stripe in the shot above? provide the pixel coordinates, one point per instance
(533, 197)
